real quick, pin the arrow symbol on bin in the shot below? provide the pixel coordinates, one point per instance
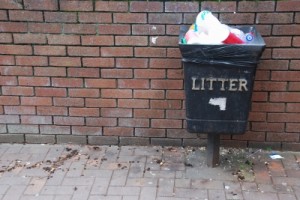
(221, 102)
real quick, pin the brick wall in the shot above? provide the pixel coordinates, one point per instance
(101, 72)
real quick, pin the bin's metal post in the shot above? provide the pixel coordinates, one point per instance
(213, 150)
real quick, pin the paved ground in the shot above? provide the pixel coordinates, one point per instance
(144, 173)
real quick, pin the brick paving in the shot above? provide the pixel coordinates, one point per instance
(54, 172)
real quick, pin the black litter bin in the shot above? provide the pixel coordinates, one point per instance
(218, 83)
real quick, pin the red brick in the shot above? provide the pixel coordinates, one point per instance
(296, 41)
(133, 83)
(146, 6)
(66, 5)
(9, 100)
(166, 123)
(175, 114)
(36, 101)
(165, 63)
(181, 7)
(274, 64)
(175, 94)
(286, 75)
(101, 121)
(29, 38)
(50, 71)
(149, 94)
(295, 64)
(274, 18)
(288, 6)
(116, 51)
(297, 17)
(81, 130)
(6, 38)
(67, 82)
(101, 103)
(130, 122)
(41, 4)
(84, 92)
(8, 4)
(264, 126)
(292, 29)
(237, 18)
(6, 60)
(284, 97)
(19, 110)
(116, 112)
(147, 29)
(44, 27)
(118, 131)
(83, 51)
(74, 102)
(149, 132)
(52, 129)
(116, 93)
(167, 84)
(50, 50)
(80, 28)
(50, 92)
(284, 117)
(84, 112)
(98, 62)
(114, 29)
(188, 18)
(100, 83)
(15, 70)
(69, 121)
(83, 72)
(32, 60)
(219, 6)
(133, 103)
(3, 126)
(278, 41)
(165, 18)
(86, 17)
(149, 113)
(34, 81)
(60, 17)
(259, 96)
(111, 6)
(262, 75)
(268, 107)
(64, 39)
(264, 6)
(264, 30)
(149, 73)
(16, 49)
(149, 52)
(269, 86)
(293, 127)
(116, 73)
(3, 15)
(131, 41)
(9, 119)
(131, 63)
(51, 110)
(136, 18)
(65, 61)
(97, 40)
(282, 137)
(175, 74)
(17, 91)
(250, 136)
(23, 15)
(8, 80)
(293, 107)
(36, 119)
(165, 104)
(167, 41)
(257, 117)
(16, 27)
(294, 86)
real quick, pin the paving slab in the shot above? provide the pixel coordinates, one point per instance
(76, 172)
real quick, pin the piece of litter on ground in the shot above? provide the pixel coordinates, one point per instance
(276, 156)
(227, 187)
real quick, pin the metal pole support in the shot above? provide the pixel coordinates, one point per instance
(213, 150)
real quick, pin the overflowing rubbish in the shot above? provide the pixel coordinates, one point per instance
(207, 29)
